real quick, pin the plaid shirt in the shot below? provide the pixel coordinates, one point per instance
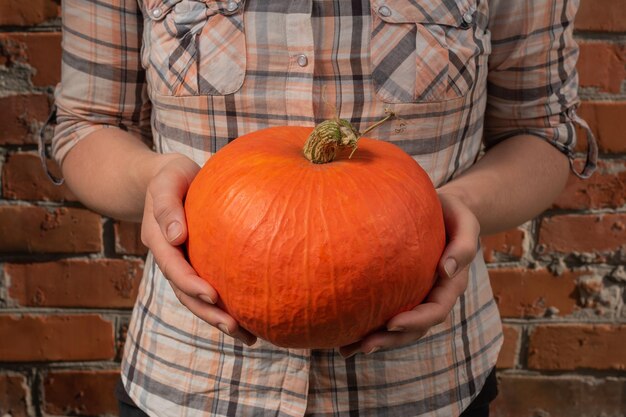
(191, 75)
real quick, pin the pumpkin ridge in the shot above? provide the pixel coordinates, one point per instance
(237, 220)
(294, 193)
(268, 252)
(377, 187)
(226, 283)
(372, 295)
(391, 191)
(243, 211)
(307, 278)
(331, 259)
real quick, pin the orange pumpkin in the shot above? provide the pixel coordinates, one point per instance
(314, 255)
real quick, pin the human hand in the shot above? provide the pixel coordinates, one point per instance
(462, 229)
(164, 229)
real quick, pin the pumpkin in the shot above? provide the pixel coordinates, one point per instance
(314, 249)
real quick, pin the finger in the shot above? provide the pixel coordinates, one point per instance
(420, 319)
(167, 193)
(380, 340)
(177, 270)
(462, 229)
(436, 309)
(350, 350)
(215, 316)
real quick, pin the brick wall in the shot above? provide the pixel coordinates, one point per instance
(68, 277)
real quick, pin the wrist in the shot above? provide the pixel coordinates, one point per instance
(458, 193)
(147, 164)
(461, 193)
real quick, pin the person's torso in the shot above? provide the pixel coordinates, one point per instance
(219, 69)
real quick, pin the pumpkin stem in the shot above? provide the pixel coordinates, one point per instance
(331, 135)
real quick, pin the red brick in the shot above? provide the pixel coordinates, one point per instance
(27, 13)
(505, 246)
(605, 120)
(577, 346)
(41, 50)
(510, 347)
(602, 65)
(23, 178)
(80, 392)
(128, 239)
(13, 395)
(531, 292)
(104, 283)
(56, 338)
(544, 396)
(63, 230)
(591, 233)
(21, 118)
(601, 16)
(605, 189)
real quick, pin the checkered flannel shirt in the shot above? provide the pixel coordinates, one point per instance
(191, 75)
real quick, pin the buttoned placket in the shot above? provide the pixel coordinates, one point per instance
(300, 46)
(299, 108)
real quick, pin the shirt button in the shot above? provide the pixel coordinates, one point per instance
(231, 6)
(157, 13)
(384, 11)
(302, 60)
(468, 18)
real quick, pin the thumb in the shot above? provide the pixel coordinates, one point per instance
(167, 190)
(463, 230)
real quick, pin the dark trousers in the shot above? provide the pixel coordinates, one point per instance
(478, 408)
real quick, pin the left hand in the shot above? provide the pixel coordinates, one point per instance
(463, 230)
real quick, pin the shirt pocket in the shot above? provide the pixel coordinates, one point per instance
(423, 50)
(194, 47)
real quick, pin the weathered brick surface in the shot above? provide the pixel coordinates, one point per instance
(32, 229)
(105, 283)
(521, 292)
(505, 246)
(21, 117)
(13, 395)
(28, 13)
(40, 50)
(601, 16)
(509, 352)
(602, 65)
(24, 179)
(604, 190)
(588, 233)
(71, 337)
(605, 118)
(65, 279)
(577, 346)
(559, 396)
(128, 239)
(81, 393)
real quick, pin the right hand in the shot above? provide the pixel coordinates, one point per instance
(164, 229)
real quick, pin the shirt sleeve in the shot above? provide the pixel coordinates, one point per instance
(532, 83)
(103, 82)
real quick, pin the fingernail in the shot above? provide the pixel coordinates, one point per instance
(174, 230)
(223, 328)
(396, 329)
(349, 355)
(248, 341)
(450, 266)
(206, 298)
(372, 350)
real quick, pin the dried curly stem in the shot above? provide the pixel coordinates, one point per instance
(330, 136)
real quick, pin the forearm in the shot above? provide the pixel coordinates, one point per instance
(514, 181)
(109, 171)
